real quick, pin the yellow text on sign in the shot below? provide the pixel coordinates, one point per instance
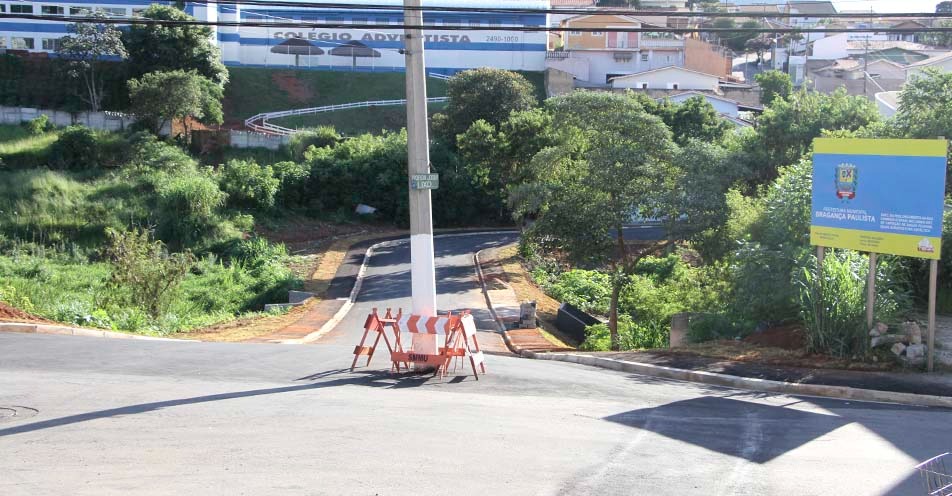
(895, 244)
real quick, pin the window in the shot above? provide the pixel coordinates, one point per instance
(475, 24)
(18, 8)
(137, 12)
(451, 22)
(83, 11)
(52, 10)
(359, 20)
(112, 11)
(644, 57)
(3, 41)
(382, 20)
(3, 8)
(598, 33)
(19, 43)
(575, 33)
(51, 44)
(644, 86)
(494, 24)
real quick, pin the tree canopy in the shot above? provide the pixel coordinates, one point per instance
(165, 96)
(154, 47)
(773, 85)
(485, 93)
(86, 49)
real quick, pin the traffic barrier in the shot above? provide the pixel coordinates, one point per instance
(458, 334)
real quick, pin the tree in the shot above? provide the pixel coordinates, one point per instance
(773, 85)
(925, 107)
(695, 118)
(758, 45)
(943, 7)
(86, 49)
(159, 98)
(485, 93)
(143, 272)
(735, 40)
(154, 47)
(497, 158)
(612, 160)
(786, 129)
(939, 39)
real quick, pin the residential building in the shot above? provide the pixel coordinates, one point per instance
(942, 62)
(857, 76)
(817, 11)
(597, 56)
(731, 110)
(667, 78)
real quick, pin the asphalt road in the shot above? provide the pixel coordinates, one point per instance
(101, 416)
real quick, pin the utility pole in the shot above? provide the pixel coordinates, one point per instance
(422, 266)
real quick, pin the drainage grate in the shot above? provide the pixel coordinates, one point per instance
(14, 413)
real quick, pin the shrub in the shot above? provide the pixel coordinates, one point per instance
(293, 179)
(631, 335)
(76, 148)
(318, 138)
(587, 290)
(249, 184)
(39, 125)
(833, 306)
(188, 208)
(144, 274)
(12, 297)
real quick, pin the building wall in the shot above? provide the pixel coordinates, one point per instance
(830, 48)
(603, 64)
(705, 57)
(721, 106)
(944, 66)
(447, 51)
(664, 79)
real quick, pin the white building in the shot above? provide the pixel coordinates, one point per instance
(670, 78)
(376, 49)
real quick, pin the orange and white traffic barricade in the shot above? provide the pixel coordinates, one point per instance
(456, 332)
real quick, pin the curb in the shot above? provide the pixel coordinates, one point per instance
(25, 328)
(714, 378)
(749, 383)
(358, 282)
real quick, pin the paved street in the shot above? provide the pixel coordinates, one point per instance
(102, 416)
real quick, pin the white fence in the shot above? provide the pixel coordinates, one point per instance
(260, 122)
(107, 121)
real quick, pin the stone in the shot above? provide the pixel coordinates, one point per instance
(912, 332)
(886, 339)
(897, 349)
(879, 329)
(915, 354)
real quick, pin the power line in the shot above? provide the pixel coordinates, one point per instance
(579, 11)
(431, 27)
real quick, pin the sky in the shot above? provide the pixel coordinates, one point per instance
(886, 6)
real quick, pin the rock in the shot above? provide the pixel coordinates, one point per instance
(912, 332)
(897, 349)
(886, 339)
(915, 354)
(879, 329)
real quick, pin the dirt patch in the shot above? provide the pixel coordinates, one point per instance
(788, 337)
(244, 329)
(298, 91)
(741, 351)
(11, 314)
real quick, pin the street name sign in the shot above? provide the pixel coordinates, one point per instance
(425, 181)
(879, 195)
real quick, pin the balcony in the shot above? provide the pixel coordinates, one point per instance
(647, 43)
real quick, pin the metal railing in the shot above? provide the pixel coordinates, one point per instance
(268, 128)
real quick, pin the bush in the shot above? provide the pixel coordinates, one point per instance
(76, 148)
(631, 335)
(144, 274)
(249, 184)
(318, 138)
(587, 290)
(293, 179)
(39, 125)
(11, 296)
(188, 208)
(833, 307)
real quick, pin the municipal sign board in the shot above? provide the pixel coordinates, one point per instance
(425, 181)
(880, 196)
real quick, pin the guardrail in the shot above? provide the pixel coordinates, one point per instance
(267, 128)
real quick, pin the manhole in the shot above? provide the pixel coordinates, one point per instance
(13, 413)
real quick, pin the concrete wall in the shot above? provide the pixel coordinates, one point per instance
(106, 121)
(245, 139)
(707, 58)
(558, 82)
(830, 48)
(721, 106)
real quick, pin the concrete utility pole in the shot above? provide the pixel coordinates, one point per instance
(422, 267)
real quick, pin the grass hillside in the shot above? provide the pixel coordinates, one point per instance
(251, 91)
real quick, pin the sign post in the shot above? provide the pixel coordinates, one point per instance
(422, 264)
(881, 196)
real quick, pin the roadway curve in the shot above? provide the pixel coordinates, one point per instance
(116, 416)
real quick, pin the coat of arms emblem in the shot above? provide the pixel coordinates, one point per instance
(846, 181)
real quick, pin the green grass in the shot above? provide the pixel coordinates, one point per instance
(18, 148)
(251, 91)
(357, 121)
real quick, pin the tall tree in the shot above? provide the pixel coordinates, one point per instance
(154, 47)
(773, 85)
(939, 39)
(162, 97)
(612, 160)
(485, 93)
(87, 49)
